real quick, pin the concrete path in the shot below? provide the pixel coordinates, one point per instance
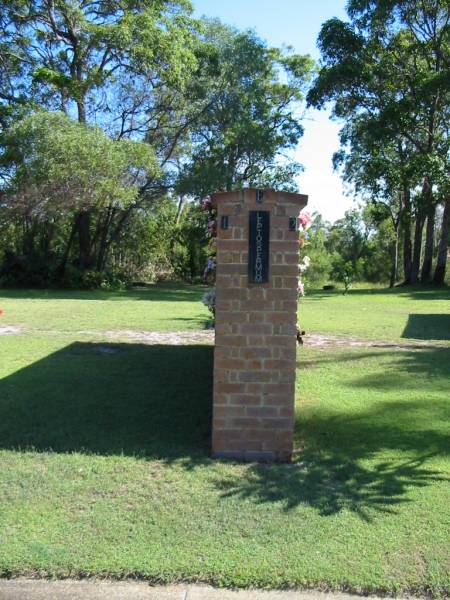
(35, 589)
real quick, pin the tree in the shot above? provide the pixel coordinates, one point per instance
(55, 167)
(388, 69)
(251, 91)
(80, 57)
(217, 108)
(380, 172)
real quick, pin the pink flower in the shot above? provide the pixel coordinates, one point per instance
(305, 220)
(206, 204)
(212, 227)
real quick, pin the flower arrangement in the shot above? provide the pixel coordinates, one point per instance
(209, 299)
(305, 221)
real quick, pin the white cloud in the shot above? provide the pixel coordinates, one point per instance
(323, 186)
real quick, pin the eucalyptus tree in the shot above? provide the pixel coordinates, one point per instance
(81, 56)
(388, 67)
(252, 93)
(381, 172)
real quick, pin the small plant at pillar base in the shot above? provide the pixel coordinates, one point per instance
(209, 274)
(304, 225)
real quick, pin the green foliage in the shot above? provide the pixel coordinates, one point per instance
(316, 249)
(386, 72)
(215, 109)
(56, 165)
(68, 54)
(251, 92)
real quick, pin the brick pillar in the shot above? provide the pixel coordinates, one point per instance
(256, 313)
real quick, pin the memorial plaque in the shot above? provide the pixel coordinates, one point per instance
(258, 246)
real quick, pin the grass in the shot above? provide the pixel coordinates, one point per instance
(159, 308)
(380, 314)
(104, 466)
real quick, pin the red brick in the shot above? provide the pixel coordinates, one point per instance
(260, 411)
(229, 388)
(254, 388)
(255, 376)
(229, 411)
(245, 399)
(256, 340)
(256, 328)
(255, 334)
(229, 363)
(255, 352)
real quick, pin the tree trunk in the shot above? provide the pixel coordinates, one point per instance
(81, 108)
(421, 212)
(429, 245)
(29, 236)
(407, 246)
(177, 220)
(103, 249)
(84, 234)
(415, 267)
(439, 274)
(394, 271)
(62, 267)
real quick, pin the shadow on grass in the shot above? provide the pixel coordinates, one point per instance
(428, 327)
(161, 292)
(112, 399)
(154, 402)
(339, 466)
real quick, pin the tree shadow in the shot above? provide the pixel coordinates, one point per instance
(154, 402)
(364, 461)
(427, 327)
(112, 399)
(416, 292)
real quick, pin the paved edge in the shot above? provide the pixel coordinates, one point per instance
(38, 589)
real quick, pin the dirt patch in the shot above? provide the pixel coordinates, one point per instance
(9, 330)
(328, 342)
(325, 342)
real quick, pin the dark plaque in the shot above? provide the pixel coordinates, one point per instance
(258, 246)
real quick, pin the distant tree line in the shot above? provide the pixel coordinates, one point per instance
(117, 117)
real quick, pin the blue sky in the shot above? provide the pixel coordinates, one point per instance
(296, 23)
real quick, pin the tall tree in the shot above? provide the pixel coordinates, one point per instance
(56, 167)
(389, 68)
(252, 93)
(77, 56)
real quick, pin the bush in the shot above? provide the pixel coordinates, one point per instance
(26, 270)
(74, 278)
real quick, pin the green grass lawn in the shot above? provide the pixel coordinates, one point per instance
(159, 308)
(380, 314)
(104, 466)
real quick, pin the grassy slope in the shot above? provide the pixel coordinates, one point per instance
(129, 488)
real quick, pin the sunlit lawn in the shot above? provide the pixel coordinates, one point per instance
(104, 467)
(380, 314)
